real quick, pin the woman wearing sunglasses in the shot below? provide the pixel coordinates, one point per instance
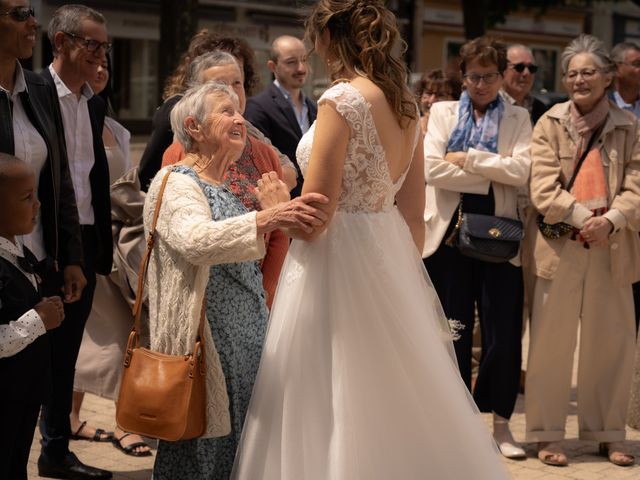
(31, 129)
(583, 278)
(477, 155)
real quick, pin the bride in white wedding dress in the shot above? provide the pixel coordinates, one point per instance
(358, 379)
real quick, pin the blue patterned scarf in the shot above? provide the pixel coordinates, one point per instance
(481, 136)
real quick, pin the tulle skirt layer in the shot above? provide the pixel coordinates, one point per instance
(358, 379)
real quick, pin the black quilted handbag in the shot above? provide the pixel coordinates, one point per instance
(486, 237)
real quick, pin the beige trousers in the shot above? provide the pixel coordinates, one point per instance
(582, 291)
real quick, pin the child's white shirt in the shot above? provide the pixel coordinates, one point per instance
(19, 333)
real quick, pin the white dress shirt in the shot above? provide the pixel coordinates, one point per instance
(79, 140)
(30, 148)
(19, 333)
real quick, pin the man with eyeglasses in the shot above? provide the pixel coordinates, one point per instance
(626, 56)
(31, 130)
(518, 81)
(78, 37)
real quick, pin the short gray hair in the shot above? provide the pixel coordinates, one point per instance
(68, 18)
(519, 46)
(194, 104)
(204, 62)
(591, 45)
(620, 50)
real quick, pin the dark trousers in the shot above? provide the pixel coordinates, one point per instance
(496, 289)
(65, 344)
(18, 420)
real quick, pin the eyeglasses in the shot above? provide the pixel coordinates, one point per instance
(587, 74)
(519, 67)
(475, 79)
(20, 14)
(90, 44)
(634, 64)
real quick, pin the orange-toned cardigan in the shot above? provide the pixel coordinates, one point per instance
(266, 160)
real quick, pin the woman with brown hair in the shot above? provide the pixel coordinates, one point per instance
(477, 156)
(435, 86)
(204, 41)
(358, 378)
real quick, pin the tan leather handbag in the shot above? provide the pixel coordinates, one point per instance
(161, 396)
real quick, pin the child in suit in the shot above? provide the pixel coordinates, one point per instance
(24, 319)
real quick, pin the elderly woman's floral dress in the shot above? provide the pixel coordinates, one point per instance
(237, 314)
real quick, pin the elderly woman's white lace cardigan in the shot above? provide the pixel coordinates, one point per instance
(187, 242)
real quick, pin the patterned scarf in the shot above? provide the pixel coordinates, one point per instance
(590, 186)
(482, 135)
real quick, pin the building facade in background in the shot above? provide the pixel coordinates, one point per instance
(433, 30)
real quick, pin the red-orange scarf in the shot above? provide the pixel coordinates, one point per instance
(590, 186)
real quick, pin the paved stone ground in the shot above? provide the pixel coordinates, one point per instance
(585, 463)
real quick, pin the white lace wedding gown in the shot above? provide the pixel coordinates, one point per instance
(357, 379)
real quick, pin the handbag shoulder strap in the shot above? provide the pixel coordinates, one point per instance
(144, 266)
(592, 140)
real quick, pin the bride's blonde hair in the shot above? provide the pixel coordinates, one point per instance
(363, 36)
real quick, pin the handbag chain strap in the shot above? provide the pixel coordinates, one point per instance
(144, 267)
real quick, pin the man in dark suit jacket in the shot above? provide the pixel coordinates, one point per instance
(283, 112)
(78, 36)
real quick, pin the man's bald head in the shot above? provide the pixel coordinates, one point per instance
(283, 42)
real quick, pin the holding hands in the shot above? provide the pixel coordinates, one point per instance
(271, 191)
(281, 213)
(51, 312)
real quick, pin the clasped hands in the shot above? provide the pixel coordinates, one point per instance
(596, 231)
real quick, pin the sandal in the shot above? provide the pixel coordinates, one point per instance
(614, 451)
(131, 449)
(99, 436)
(550, 453)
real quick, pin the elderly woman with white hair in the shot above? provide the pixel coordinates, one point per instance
(207, 247)
(585, 252)
(256, 159)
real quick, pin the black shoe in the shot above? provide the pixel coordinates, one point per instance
(70, 467)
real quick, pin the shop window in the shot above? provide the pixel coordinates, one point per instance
(135, 71)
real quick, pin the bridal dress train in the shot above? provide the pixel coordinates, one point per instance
(358, 379)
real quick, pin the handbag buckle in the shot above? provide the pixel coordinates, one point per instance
(495, 232)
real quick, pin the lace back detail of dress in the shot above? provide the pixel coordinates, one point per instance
(366, 182)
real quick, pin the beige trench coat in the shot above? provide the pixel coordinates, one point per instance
(553, 148)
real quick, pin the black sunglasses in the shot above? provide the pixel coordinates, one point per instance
(519, 67)
(20, 14)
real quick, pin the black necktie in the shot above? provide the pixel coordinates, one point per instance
(6, 124)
